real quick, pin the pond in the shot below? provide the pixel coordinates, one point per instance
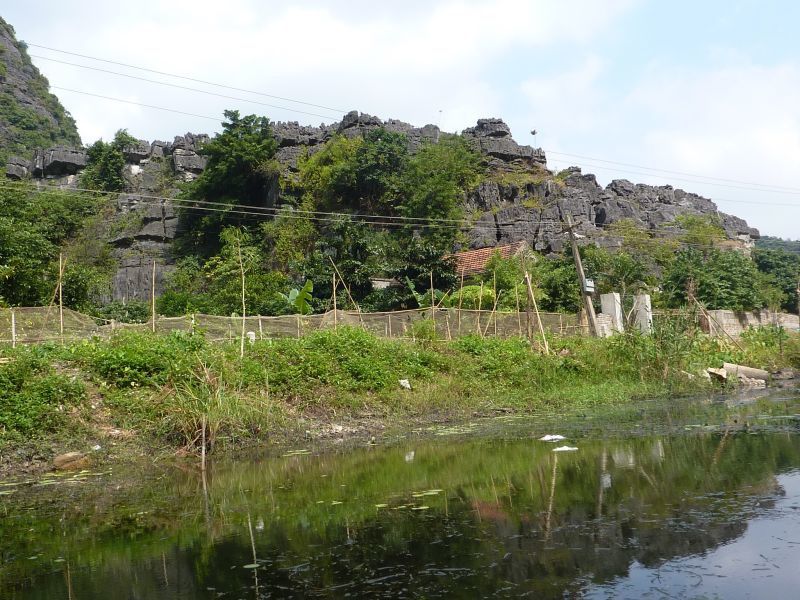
(680, 499)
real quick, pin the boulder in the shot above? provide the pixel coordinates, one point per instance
(55, 162)
(71, 461)
(188, 161)
(18, 168)
(136, 153)
(159, 149)
(489, 128)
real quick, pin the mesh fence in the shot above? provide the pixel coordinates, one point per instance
(42, 324)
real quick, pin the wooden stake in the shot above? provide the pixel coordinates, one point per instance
(390, 324)
(153, 297)
(496, 298)
(203, 447)
(492, 314)
(587, 297)
(433, 305)
(335, 306)
(519, 319)
(13, 329)
(538, 316)
(260, 329)
(244, 307)
(298, 325)
(460, 299)
(346, 289)
(480, 304)
(61, 296)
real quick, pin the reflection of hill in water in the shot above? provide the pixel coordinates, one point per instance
(499, 524)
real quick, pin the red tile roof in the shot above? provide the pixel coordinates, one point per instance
(473, 262)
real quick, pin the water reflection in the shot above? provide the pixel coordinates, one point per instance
(476, 517)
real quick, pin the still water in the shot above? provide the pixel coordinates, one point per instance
(671, 500)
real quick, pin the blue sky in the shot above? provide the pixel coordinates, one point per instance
(706, 88)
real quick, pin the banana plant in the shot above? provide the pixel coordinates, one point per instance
(300, 300)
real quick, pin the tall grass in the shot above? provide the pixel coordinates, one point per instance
(166, 386)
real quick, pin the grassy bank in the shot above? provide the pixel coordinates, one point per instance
(159, 389)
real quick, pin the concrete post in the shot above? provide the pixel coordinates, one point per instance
(611, 305)
(643, 313)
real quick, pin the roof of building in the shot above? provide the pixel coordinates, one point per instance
(473, 262)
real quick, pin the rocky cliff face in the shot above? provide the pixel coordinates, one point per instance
(520, 199)
(30, 116)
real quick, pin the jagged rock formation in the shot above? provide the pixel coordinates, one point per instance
(519, 200)
(30, 116)
(534, 210)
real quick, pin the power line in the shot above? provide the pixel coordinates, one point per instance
(333, 217)
(672, 172)
(183, 87)
(185, 78)
(693, 181)
(644, 170)
(172, 110)
(269, 212)
(420, 221)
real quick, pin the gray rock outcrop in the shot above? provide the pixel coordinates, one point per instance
(519, 200)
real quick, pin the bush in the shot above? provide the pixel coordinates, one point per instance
(132, 359)
(33, 397)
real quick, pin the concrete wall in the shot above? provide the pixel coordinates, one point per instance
(720, 322)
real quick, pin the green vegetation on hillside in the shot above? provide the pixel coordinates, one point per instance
(35, 226)
(22, 127)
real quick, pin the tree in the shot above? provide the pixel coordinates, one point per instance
(34, 225)
(616, 271)
(356, 173)
(434, 185)
(105, 163)
(722, 279)
(783, 270)
(700, 231)
(215, 286)
(240, 170)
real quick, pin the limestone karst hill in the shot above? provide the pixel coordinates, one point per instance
(30, 116)
(518, 199)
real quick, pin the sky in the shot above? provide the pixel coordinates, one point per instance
(704, 96)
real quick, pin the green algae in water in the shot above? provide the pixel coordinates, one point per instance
(516, 519)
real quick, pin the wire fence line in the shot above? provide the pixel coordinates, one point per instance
(32, 325)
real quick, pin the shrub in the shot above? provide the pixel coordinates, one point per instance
(33, 397)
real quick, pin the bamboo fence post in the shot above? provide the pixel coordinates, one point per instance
(335, 306)
(390, 324)
(297, 318)
(447, 321)
(244, 306)
(13, 329)
(460, 299)
(61, 296)
(433, 305)
(538, 316)
(493, 313)
(260, 329)
(153, 296)
(480, 305)
(346, 289)
(519, 319)
(203, 447)
(496, 298)
(560, 324)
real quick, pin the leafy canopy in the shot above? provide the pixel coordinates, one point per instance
(240, 171)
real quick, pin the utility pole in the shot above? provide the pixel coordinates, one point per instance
(587, 296)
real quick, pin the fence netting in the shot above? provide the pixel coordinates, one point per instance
(27, 325)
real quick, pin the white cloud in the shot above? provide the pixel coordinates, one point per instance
(406, 63)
